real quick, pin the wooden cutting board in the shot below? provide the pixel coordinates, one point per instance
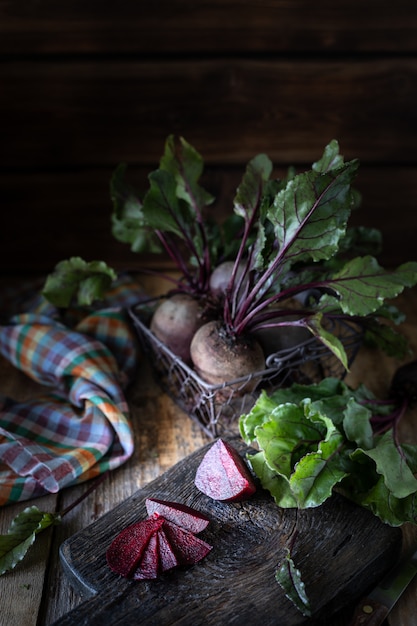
(340, 549)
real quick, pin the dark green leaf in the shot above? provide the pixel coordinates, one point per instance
(186, 166)
(79, 280)
(363, 286)
(310, 215)
(392, 465)
(21, 535)
(250, 192)
(289, 578)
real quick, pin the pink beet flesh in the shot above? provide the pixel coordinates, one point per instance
(148, 566)
(181, 514)
(223, 475)
(188, 548)
(126, 550)
(167, 555)
(156, 544)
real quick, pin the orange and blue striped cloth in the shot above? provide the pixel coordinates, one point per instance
(80, 426)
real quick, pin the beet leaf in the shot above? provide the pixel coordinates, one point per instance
(21, 535)
(290, 235)
(77, 280)
(289, 578)
(315, 439)
(26, 525)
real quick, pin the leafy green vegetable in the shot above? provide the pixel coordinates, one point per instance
(314, 439)
(290, 235)
(78, 280)
(289, 578)
(21, 535)
(325, 437)
(172, 216)
(26, 526)
(362, 286)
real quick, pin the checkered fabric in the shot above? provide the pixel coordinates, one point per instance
(80, 427)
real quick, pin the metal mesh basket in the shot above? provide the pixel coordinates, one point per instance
(217, 408)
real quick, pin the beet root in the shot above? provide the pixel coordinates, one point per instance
(128, 547)
(220, 358)
(144, 550)
(175, 321)
(223, 474)
(148, 566)
(188, 548)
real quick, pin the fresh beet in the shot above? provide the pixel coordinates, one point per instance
(223, 474)
(156, 544)
(127, 549)
(219, 357)
(175, 321)
(148, 566)
(225, 276)
(188, 548)
(181, 514)
(167, 557)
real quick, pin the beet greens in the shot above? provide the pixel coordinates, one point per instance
(172, 216)
(314, 439)
(290, 236)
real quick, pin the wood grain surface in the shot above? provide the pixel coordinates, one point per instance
(215, 26)
(38, 592)
(85, 86)
(340, 549)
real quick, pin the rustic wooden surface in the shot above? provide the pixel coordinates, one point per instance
(85, 86)
(232, 26)
(249, 540)
(38, 593)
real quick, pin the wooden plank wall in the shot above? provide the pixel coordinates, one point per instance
(87, 85)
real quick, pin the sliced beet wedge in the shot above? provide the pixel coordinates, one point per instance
(223, 474)
(156, 544)
(188, 548)
(148, 566)
(180, 514)
(167, 557)
(127, 549)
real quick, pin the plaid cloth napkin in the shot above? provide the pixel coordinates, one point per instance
(81, 427)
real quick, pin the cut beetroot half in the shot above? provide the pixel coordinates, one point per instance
(180, 514)
(188, 548)
(127, 549)
(223, 474)
(148, 566)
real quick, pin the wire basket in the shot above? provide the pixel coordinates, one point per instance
(217, 408)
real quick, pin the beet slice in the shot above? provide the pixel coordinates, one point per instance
(223, 474)
(156, 544)
(188, 548)
(181, 514)
(167, 557)
(126, 550)
(148, 567)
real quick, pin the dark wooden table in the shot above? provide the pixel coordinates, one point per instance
(37, 592)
